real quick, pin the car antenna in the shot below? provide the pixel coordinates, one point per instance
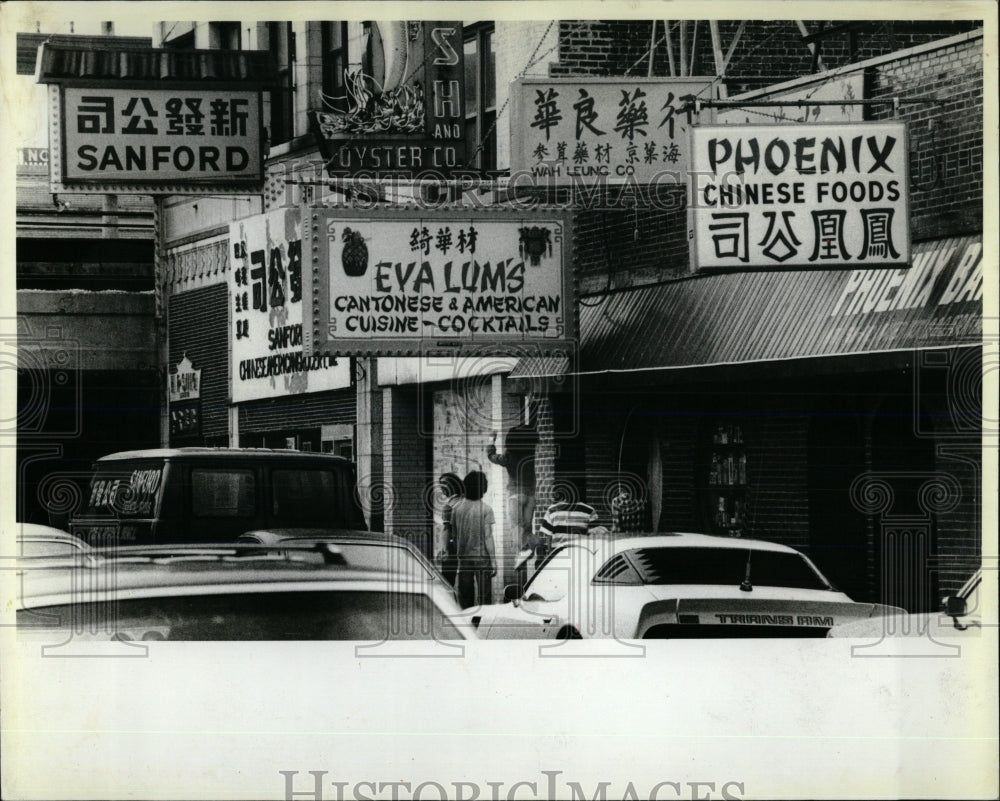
(746, 586)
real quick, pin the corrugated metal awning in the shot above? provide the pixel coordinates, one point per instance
(741, 318)
(67, 64)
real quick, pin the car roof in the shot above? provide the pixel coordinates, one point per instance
(273, 536)
(196, 453)
(616, 543)
(27, 531)
(211, 572)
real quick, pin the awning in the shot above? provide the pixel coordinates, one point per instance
(742, 318)
(69, 64)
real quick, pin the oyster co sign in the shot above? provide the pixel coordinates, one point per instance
(778, 196)
(400, 282)
(409, 121)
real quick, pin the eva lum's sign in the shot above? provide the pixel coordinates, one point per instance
(779, 196)
(402, 282)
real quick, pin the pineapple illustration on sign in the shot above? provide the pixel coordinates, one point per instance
(354, 256)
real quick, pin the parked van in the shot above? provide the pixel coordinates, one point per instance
(215, 495)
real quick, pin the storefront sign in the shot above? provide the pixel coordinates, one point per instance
(610, 130)
(408, 122)
(265, 295)
(185, 382)
(946, 273)
(398, 282)
(780, 196)
(33, 157)
(146, 140)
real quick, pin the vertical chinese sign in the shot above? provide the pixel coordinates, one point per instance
(614, 130)
(185, 404)
(265, 294)
(780, 196)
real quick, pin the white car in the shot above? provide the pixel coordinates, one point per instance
(671, 585)
(960, 617)
(231, 592)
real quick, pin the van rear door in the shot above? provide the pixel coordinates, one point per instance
(123, 503)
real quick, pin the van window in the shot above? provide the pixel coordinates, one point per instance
(304, 494)
(218, 492)
(126, 491)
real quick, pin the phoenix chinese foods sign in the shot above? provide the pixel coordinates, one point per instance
(603, 130)
(265, 296)
(821, 196)
(154, 140)
(400, 282)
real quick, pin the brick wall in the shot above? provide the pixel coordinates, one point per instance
(406, 467)
(626, 241)
(768, 51)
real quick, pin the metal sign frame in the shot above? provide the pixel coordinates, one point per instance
(317, 337)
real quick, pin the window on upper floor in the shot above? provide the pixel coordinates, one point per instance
(335, 62)
(224, 35)
(480, 96)
(281, 43)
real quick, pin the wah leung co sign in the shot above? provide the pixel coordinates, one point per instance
(822, 196)
(265, 295)
(603, 130)
(398, 281)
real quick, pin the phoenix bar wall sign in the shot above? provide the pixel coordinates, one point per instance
(405, 282)
(611, 130)
(779, 196)
(265, 294)
(411, 123)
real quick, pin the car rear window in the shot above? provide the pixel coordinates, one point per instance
(126, 491)
(221, 492)
(318, 615)
(726, 566)
(299, 495)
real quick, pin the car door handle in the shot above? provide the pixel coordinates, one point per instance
(547, 620)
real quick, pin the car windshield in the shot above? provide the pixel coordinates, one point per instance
(300, 615)
(727, 566)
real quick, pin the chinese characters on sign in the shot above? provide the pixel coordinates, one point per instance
(160, 136)
(265, 293)
(800, 195)
(401, 282)
(608, 129)
(185, 392)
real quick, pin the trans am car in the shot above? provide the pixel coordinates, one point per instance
(671, 585)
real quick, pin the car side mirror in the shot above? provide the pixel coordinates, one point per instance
(954, 606)
(511, 593)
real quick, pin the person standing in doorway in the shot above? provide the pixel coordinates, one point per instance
(472, 520)
(519, 460)
(451, 488)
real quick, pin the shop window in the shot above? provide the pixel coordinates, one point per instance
(480, 97)
(724, 478)
(281, 42)
(224, 35)
(222, 493)
(334, 57)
